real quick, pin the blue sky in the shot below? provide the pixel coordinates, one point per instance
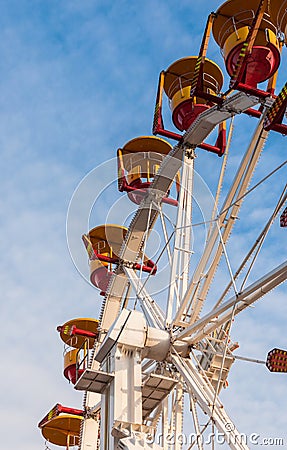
(78, 80)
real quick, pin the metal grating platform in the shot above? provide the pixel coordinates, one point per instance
(93, 381)
(155, 388)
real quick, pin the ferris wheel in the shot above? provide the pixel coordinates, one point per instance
(161, 351)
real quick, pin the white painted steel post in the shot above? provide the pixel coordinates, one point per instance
(182, 240)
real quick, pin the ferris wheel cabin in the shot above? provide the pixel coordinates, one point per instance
(103, 244)
(178, 82)
(138, 163)
(62, 430)
(79, 335)
(233, 24)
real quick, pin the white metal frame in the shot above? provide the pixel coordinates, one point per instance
(122, 426)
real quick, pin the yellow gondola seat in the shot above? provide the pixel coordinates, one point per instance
(231, 26)
(106, 241)
(139, 161)
(80, 334)
(63, 430)
(83, 323)
(71, 372)
(177, 86)
(103, 244)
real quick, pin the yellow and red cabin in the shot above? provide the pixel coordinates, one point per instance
(138, 163)
(103, 244)
(106, 241)
(232, 23)
(178, 81)
(80, 334)
(62, 430)
(61, 426)
(71, 359)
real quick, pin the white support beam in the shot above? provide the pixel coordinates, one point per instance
(216, 317)
(178, 416)
(150, 308)
(90, 426)
(201, 280)
(205, 397)
(164, 421)
(224, 318)
(182, 238)
(195, 422)
(255, 150)
(90, 433)
(121, 400)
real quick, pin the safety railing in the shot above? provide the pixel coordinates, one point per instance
(185, 80)
(82, 358)
(239, 20)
